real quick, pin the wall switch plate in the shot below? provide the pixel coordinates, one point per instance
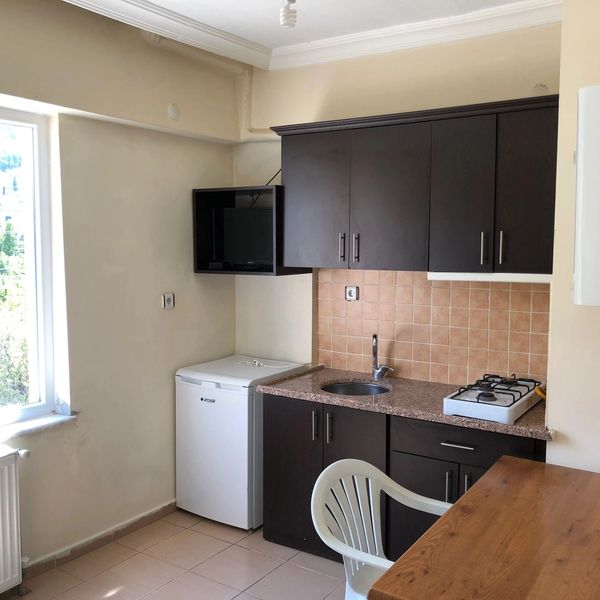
(168, 300)
(351, 293)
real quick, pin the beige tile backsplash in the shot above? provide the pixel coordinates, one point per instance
(450, 332)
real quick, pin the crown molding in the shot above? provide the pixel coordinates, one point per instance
(167, 23)
(508, 17)
(150, 17)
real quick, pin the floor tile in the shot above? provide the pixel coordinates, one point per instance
(293, 583)
(339, 593)
(187, 549)
(320, 565)
(50, 584)
(238, 567)
(256, 542)
(93, 563)
(139, 572)
(221, 531)
(182, 518)
(106, 585)
(148, 536)
(193, 587)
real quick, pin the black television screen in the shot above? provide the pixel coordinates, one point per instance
(247, 237)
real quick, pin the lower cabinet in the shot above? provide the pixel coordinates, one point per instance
(301, 438)
(442, 462)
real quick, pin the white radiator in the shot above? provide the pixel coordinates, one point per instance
(10, 535)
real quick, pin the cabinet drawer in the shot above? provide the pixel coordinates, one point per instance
(456, 444)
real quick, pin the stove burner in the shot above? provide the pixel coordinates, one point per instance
(498, 390)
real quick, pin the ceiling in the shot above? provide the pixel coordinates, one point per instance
(249, 30)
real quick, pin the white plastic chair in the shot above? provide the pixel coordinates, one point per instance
(346, 512)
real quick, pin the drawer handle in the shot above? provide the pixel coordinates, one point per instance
(447, 487)
(459, 446)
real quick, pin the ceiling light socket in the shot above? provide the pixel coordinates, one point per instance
(288, 14)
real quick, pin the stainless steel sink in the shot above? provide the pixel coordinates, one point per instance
(355, 388)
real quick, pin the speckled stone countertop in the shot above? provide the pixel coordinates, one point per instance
(409, 398)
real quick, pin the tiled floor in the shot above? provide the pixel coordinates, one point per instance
(183, 557)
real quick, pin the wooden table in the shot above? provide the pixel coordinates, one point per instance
(525, 530)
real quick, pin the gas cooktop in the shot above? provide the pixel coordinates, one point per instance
(494, 398)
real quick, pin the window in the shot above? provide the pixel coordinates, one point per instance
(26, 356)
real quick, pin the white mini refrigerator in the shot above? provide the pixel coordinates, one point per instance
(219, 419)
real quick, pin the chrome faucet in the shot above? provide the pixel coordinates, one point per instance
(378, 371)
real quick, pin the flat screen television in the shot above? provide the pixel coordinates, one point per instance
(243, 238)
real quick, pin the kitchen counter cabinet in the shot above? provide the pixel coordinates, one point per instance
(300, 439)
(430, 453)
(441, 462)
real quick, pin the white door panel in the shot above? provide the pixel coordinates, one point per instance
(212, 452)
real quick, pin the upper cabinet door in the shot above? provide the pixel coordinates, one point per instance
(525, 189)
(463, 163)
(389, 203)
(316, 171)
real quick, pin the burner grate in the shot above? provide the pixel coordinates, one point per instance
(490, 386)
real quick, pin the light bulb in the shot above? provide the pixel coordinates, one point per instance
(287, 14)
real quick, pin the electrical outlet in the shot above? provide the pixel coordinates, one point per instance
(168, 300)
(351, 293)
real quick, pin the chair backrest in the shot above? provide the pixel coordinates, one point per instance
(346, 504)
(346, 512)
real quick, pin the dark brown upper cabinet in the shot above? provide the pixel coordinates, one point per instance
(463, 170)
(389, 197)
(316, 174)
(525, 187)
(466, 189)
(357, 199)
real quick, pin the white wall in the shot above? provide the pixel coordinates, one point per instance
(274, 315)
(61, 54)
(127, 228)
(574, 354)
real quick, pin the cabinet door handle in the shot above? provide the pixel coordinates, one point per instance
(314, 425)
(459, 446)
(355, 247)
(482, 248)
(501, 249)
(467, 482)
(447, 494)
(341, 247)
(329, 427)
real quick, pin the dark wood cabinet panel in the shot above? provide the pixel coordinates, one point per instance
(292, 462)
(461, 225)
(389, 199)
(351, 433)
(316, 177)
(468, 475)
(300, 439)
(433, 478)
(525, 191)
(456, 444)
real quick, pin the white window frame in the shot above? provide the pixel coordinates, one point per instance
(41, 374)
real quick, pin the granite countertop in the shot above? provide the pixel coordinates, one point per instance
(409, 398)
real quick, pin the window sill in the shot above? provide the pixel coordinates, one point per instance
(14, 430)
